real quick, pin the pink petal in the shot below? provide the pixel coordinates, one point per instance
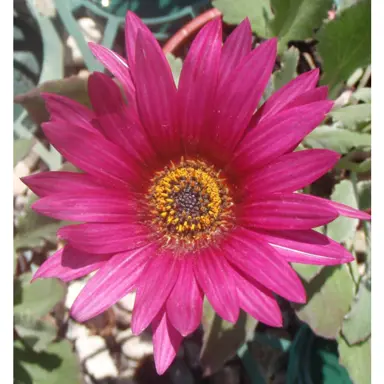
(286, 211)
(214, 276)
(65, 109)
(185, 303)
(104, 93)
(113, 281)
(99, 157)
(236, 47)
(117, 66)
(156, 96)
(285, 95)
(105, 238)
(88, 206)
(345, 210)
(133, 25)
(257, 301)
(69, 263)
(153, 289)
(124, 129)
(290, 172)
(166, 342)
(261, 262)
(311, 96)
(197, 84)
(239, 96)
(307, 247)
(54, 182)
(276, 134)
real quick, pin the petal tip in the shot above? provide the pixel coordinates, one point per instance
(36, 276)
(136, 330)
(161, 368)
(348, 258)
(76, 313)
(365, 216)
(26, 180)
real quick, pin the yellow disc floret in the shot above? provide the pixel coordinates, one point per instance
(189, 203)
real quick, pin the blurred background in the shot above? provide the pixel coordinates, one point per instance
(325, 341)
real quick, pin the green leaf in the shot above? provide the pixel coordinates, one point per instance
(357, 360)
(337, 139)
(33, 228)
(176, 65)
(21, 148)
(57, 365)
(352, 115)
(345, 43)
(364, 191)
(223, 339)
(347, 3)
(343, 228)
(330, 295)
(362, 94)
(38, 298)
(346, 163)
(307, 271)
(74, 87)
(357, 325)
(366, 128)
(38, 334)
(259, 13)
(297, 19)
(289, 61)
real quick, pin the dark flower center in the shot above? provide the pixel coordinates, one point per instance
(189, 203)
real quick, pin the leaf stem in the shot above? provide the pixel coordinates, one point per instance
(366, 226)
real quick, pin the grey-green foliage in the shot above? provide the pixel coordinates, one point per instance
(343, 228)
(289, 60)
(329, 298)
(345, 43)
(37, 298)
(38, 358)
(223, 339)
(337, 139)
(176, 64)
(352, 116)
(21, 147)
(357, 324)
(297, 19)
(286, 19)
(259, 13)
(33, 228)
(357, 360)
(56, 365)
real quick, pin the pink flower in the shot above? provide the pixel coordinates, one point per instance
(185, 192)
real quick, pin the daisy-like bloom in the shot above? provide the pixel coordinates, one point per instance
(186, 192)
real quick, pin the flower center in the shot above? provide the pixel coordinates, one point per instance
(190, 204)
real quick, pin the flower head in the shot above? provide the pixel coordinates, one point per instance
(187, 192)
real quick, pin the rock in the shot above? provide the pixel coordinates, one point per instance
(74, 288)
(123, 311)
(135, 347)
(19, 171)
(128, 301)
(360, 244)
(93, 352)
(76, 330)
